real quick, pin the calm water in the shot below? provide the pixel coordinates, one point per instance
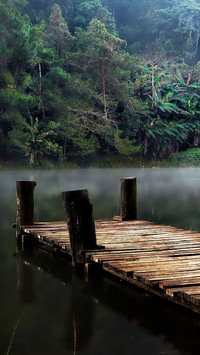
(49, 310)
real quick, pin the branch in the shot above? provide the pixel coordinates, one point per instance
(90, 113)
(89, 123)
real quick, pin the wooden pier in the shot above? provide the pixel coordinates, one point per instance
(161, 259)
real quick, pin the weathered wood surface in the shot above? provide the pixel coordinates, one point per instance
(80, 220)
(128, 199)
(161, 259)
(25, 203)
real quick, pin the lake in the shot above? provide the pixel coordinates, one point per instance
(47, 309)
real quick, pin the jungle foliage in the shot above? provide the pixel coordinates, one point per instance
(85, 78)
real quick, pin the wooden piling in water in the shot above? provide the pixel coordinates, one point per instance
(79, 215)
(162, 259)
(128, 199)
(25, 204)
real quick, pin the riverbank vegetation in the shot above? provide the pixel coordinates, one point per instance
(88, 79)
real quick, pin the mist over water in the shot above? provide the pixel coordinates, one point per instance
(165, 195)
(47, 309)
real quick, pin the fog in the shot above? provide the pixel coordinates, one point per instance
(167, 195)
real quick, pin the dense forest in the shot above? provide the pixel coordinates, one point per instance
(86, 78)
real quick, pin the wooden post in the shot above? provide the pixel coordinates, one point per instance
(79, 215)
(25, 204)
(128, 199)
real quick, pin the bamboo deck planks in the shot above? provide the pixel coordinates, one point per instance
(162, 259)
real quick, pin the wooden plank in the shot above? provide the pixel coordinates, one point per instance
(142, 252)
(100, 227)
(178, 275)
(149, 246)
(129, 254)
(133, 237)
(160, 275)
(190, 281)
(157, 276)
(152, 262)
(146, 239)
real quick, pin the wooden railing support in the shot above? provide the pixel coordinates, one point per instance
(79, 215)
(25, 204)
(128, 199)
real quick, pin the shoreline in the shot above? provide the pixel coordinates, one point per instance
(188, 158)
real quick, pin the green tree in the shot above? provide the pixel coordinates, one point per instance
(87, 10)
(102, 79)
(40, 10)
(170, 27)
(15, 31)
(57, 31)
(172, 108)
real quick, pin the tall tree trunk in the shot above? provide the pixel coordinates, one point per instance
(41, 105)
(104, 92)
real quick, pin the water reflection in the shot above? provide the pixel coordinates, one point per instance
(57, 312)
(79, 323)
(25, 281)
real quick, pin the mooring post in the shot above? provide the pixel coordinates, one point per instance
(128, 199)
(25, 204)
(79, 215)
